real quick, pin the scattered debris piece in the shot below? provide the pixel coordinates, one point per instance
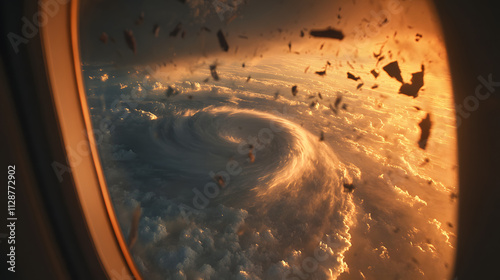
(204, 28)
(375, 73)
(307, 68)
(418, 37)
(156, 30)
(327, 33)
(140, 20)
(222, 41)
(290, 46)
(220, 181)
(322, 136)
(301, 33)
(171, 92)
(321, 73)
(344, 107)
(352, 77)
(449, 224)
(243, 37)
(243, 65)
(425, 126)
(333, 109)
(213, 72)
(251, 156)
(176, 30)
(130, 40)
(417, 82)
(374, 86)
(320, 96)
(349, 188)
(276, 95)
(393, 71)
(337, 101)
(359, 86)
(134, 226)
(417, 108)
(104, 37)
(248, 79)
(295, 90)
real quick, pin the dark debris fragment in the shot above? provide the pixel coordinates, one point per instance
(213, 72)
(130, 40)
(327, 33)
(222, 41)
(425, 126)
(352, 77)
(393, 70)
(417, 82)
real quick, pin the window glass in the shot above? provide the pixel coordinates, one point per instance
(275, 139)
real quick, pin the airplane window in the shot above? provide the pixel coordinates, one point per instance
(275, 139)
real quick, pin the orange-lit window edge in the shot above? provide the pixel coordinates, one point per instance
(60, 43)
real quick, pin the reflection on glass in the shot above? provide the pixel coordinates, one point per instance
(275, 139)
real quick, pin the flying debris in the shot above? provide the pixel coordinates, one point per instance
(251, 156)
(352, 77)
(425, 126)
(301, 33)
(344, 107)
(417, 108)
(418, 37)
(321, 73)
(222, 41)
(295, 90)
(313, 104)
(140, 20)
(104, 37)
(327, 33)
(417, 82)
(374, 86)
(321, 47)
(204, 28)
(130, 40)
(220, 181)
(213, 72)
(307, 69)
(176, 30)
(337, 101)
(243, 65)
(393, 71)
(311, 96)
(171, 92)
(333, 109)
(276, 95)
(349, 188)
(359, 86)
(290, 46)
(134, 226)
(190, 97)
(320, 96)
(248, 79)
(375, 73)
(322, 136)
(156, 30)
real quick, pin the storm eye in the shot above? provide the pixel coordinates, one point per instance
(266, 139)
